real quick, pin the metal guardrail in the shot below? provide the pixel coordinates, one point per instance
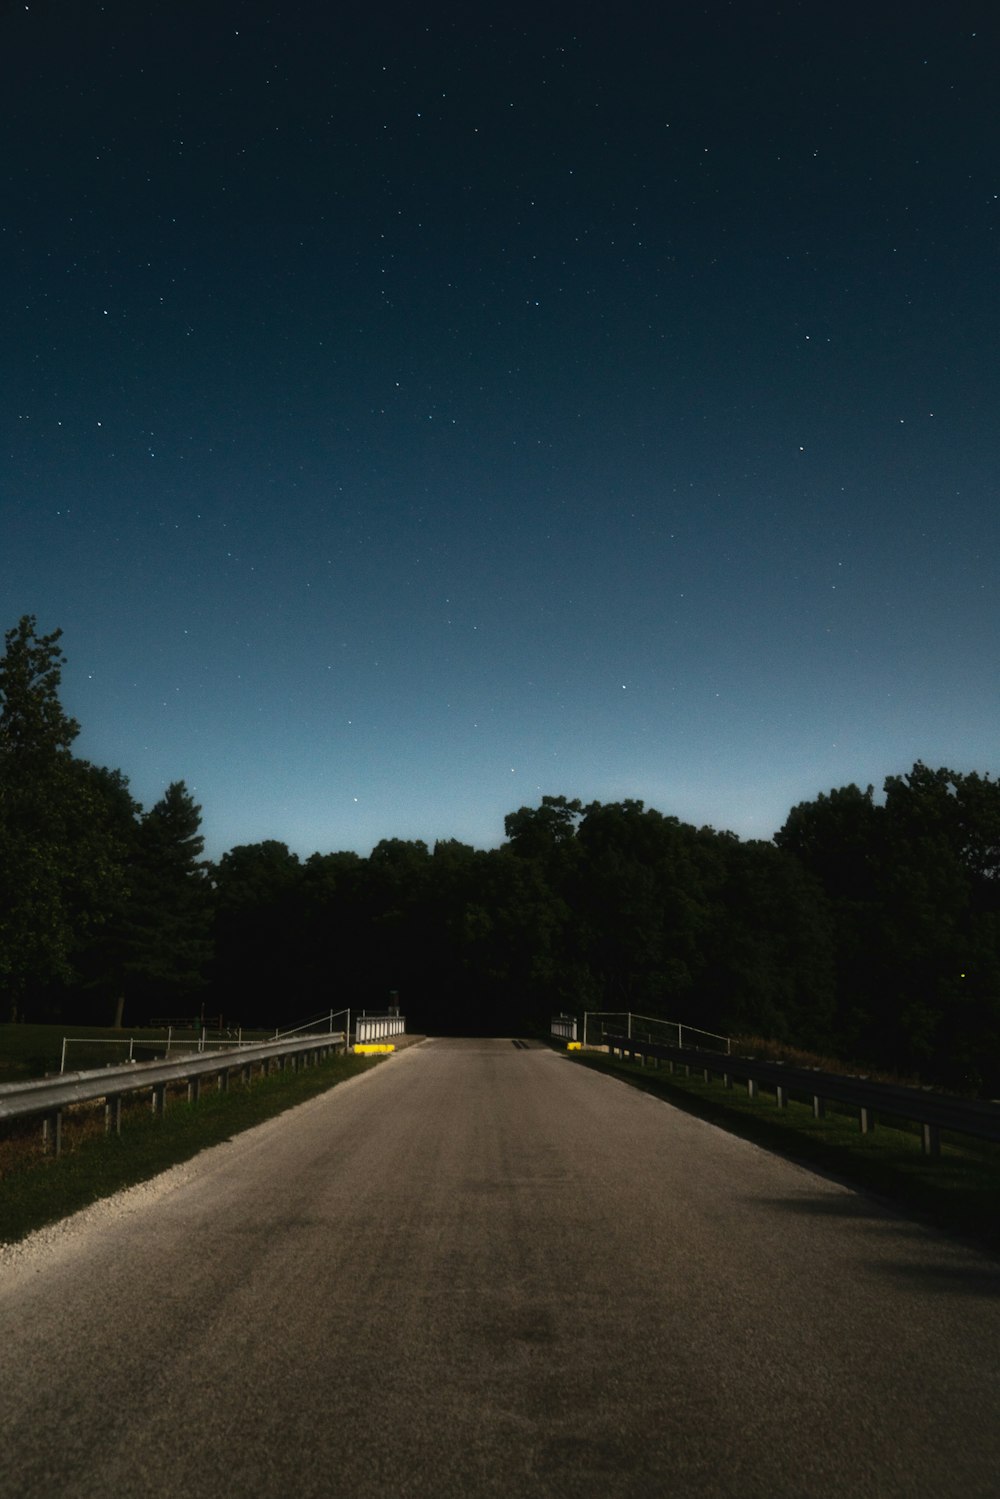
(933, 1112)
(46, 1098)
(563, 1027)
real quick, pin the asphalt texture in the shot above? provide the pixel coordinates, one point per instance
(480, 1269)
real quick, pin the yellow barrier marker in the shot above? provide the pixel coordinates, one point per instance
(574, 1045)
(372, 1048)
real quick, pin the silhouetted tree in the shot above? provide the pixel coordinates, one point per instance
(258, 963)
(162, 941)
(61, 847)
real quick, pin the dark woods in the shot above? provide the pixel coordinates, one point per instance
(870, 930)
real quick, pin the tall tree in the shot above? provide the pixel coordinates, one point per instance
(61, 854)
(163, 943)
(769, 962)
(840, 839)
(257, 966)
(941, 902)
(914, 887)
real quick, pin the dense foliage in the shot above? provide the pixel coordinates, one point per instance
(867, 929)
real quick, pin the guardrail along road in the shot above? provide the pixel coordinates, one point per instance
(482, 1270)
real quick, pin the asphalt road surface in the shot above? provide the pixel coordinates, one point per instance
(483, 1270)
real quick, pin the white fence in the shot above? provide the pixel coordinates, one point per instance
(564, 1027)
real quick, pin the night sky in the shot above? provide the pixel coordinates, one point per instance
(407, 414)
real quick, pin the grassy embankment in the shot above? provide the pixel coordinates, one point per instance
(36, 1189)
(960, 1191)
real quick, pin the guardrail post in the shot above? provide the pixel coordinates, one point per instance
(751, 1087)
(113, 1115)
(194, 1088)
(931, 1139)
(52, 1132)
(819, 1106)
(159, 1100)
(224, 1080)
(866, 1119)
(779, 1095)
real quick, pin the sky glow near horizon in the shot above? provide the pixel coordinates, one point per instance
(408, 417)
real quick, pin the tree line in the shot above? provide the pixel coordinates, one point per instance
(867, 929)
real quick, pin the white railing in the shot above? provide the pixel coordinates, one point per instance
(564, 1027)
(325, 1019)
(599, 1024)
(181, 1043)
(369, 1028)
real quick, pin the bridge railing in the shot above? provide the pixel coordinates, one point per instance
(933, 1112)
(374, 1028)
(599, 1024)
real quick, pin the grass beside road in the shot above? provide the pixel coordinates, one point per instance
(959, 1191)
(36, 1189)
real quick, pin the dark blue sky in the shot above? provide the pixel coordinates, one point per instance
(407, 415)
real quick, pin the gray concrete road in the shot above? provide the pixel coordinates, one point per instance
(482, 1270)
